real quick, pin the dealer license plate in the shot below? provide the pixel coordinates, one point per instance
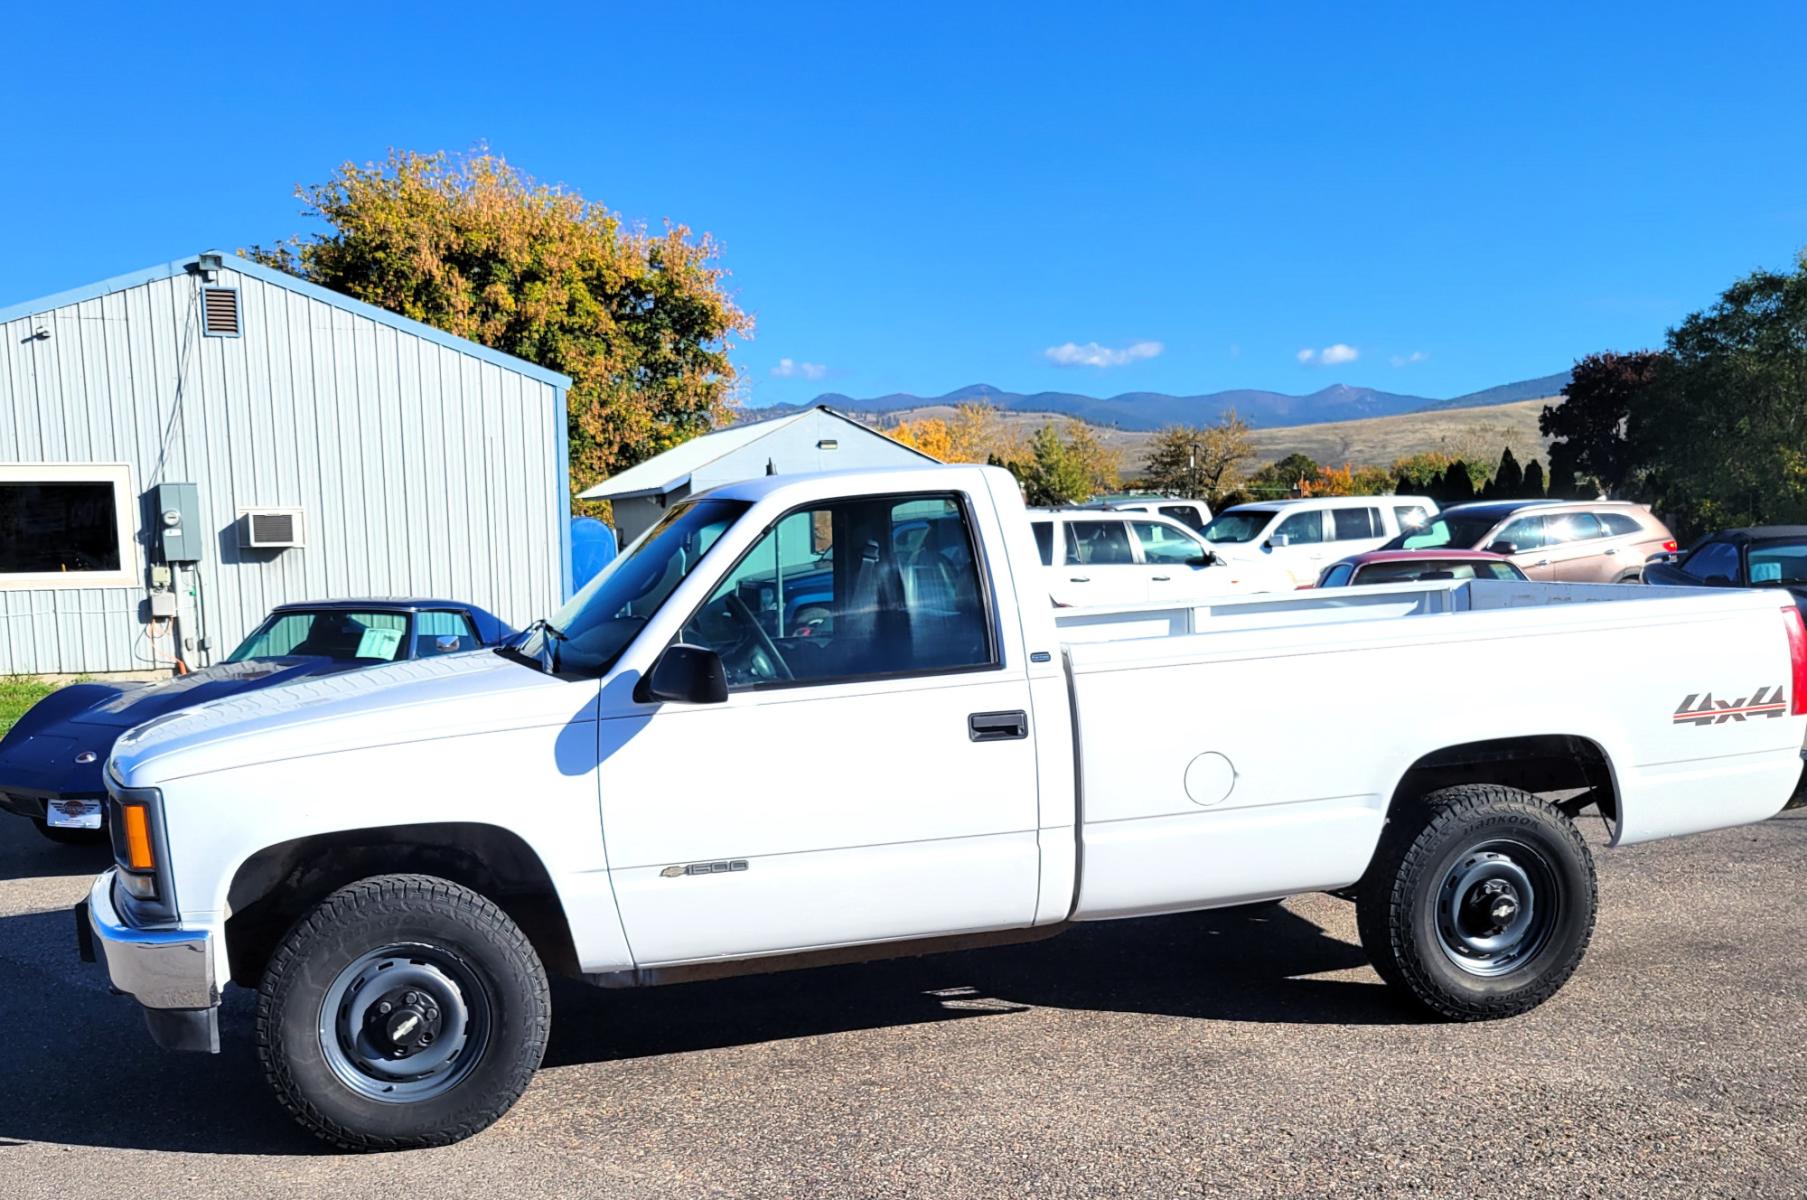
(73, 814)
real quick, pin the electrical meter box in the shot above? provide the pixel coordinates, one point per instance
(176, 521)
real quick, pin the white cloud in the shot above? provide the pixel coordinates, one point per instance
(1072, 354)
(1330, 356)
(790, 368)
(1406, 360)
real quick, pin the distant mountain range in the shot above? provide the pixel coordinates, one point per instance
(1153, 410)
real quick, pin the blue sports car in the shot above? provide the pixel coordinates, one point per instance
(51, 760)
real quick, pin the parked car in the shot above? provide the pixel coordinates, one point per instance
(395, 858)
(1772, 556)
(51, 760)
(1573, 541)
(1302, 536)
(1100, 557)
(1194, 514)
(1404, 566)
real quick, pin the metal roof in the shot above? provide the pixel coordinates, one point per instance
(271, 275)
(666, 472)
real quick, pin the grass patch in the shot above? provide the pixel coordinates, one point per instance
(18, 693)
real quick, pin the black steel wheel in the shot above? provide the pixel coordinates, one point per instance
(403, 1011)
(1479, 903)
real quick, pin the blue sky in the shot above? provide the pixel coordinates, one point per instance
(1101, 198)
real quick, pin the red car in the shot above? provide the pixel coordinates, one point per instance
(1405, 566)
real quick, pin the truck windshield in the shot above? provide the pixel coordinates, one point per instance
(589, 633)
(1244, 525)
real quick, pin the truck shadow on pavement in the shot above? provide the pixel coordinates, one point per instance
(79, 1068)
(1243, 965)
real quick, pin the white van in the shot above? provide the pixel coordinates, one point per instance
(1302, 536)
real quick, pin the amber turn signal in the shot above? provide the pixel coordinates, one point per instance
(137, 838)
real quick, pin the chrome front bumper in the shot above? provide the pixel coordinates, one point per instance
(168, 971)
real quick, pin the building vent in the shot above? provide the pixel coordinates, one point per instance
(269, 528)
(219, 312)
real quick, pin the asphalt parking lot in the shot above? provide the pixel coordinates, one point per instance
(1246, 1054)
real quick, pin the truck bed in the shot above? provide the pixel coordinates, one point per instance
(1209, 730)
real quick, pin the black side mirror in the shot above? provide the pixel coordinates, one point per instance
(1203, 558)
(686, 674)
(1503, 548)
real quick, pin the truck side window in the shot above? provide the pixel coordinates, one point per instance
(1101, 543)
(896, 592)
(1353, 524)
(1303, 527)
(1044, 541)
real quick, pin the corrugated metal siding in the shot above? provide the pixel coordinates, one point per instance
(420, 470)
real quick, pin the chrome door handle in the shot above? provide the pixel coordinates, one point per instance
(1611, 550)
(1161, 578)
(1542, 562)
(1080, 579)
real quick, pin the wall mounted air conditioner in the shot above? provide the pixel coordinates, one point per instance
(269, 528)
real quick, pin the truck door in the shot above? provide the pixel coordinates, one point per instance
(1100, 566)
(871, 775)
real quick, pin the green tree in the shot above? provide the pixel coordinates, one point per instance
(1534, 488)
(1195, 461)
(1589, 426)
(1066, 468)
(1508, 478)
(642, 322)
(1720, 432)
(1456, 486)
(1286, 477)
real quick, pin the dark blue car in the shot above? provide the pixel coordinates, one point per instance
(51, 760)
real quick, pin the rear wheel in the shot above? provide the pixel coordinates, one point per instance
(403, 1011)
(1480, 902)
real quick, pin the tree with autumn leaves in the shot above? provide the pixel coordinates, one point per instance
(641, 321)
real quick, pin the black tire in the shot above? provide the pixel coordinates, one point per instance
(496, 983)
(72, 837)
(1444, 891)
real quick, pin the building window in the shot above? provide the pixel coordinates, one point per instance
(65, 525)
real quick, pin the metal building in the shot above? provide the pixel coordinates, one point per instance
(334, 450)
(817, 439)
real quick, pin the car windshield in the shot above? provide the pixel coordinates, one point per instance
(343, 635)
(1402, 572)
(588, 634)
(1240, 525)
(1778, 564)
(1457, 530)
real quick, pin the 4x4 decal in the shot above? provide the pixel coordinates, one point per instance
(1765, 702)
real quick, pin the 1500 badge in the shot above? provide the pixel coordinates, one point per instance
(1705, 710)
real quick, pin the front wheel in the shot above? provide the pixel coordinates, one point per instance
(403, 1011)
(1480, 902)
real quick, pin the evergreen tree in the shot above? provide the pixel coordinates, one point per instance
(1534, 488)
(1509, 479)
(1456, 487)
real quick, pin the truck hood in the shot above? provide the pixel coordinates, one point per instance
(400, 702)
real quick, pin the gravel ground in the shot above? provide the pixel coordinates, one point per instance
(1233, 1054)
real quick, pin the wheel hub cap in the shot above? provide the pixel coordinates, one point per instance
(1495, 907)
(404, 1023)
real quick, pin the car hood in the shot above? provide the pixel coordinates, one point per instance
(134, 704)
(480, 691)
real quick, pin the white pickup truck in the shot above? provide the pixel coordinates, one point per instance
(830, 717)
